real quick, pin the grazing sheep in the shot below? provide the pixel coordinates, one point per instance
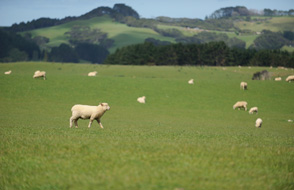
(258, 123)
(141, 99)
(88, 112)
(240, 104)
(7, 72)
(253, 109)
(290, 78)
(243, 85)
(92, 74)
(191, 81)
(278, 79)
(38, 74)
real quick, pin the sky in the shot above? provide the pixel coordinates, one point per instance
(16, 11)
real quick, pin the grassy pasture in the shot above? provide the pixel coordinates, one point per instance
(275, 24)
(184, 137)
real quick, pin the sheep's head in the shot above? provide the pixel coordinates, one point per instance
(105, 106)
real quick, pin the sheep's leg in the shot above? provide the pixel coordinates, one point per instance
(76, 123)
(70, 122)
(99, 122)
(90, 123)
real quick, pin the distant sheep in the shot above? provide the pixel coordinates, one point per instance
(253, 109)
(88, 112)
(92, 74)
(141, 99)
(191, 81)
(39, 74)
(7, 72)
(243, 85)
(240, 104)
(290, 78)
(258, 123)
(278, 79)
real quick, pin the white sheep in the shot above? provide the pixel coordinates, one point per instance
(240, 104)
(38, 74)
(253, 109)
(290, 78)
(278, 79)
(258, 123)
(243, 85)
(7, 72)
(88, 112)
(92, 74)
(191, 81)
(141, 99)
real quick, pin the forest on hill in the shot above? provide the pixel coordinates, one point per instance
(83, 41)
(210, 54)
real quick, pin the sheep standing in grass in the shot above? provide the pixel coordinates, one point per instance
(141, 99)
(191, 81)
(7, 72)
(39, 74)
(258, 123)
(290, 78)
(253, 109)
(243, 85)
(240, 104)
(278, 79)
(88, 112)
(92, 74)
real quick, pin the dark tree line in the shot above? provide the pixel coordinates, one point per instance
(269, 12)
(83, 51)
(273, 40)
(196, 50)
(212, 54)
(229, 12)
(243, 11)
(14, 47)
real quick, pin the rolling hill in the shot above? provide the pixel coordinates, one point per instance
(91, 37)
(129, 30)
(122, 34)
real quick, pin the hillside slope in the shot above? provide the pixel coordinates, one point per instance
(122, 34)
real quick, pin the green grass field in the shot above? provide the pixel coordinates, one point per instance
(275, 24)
(184, 137)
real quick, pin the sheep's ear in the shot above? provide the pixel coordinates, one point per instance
(101, 104)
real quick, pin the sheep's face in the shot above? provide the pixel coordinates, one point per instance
(105, 106)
